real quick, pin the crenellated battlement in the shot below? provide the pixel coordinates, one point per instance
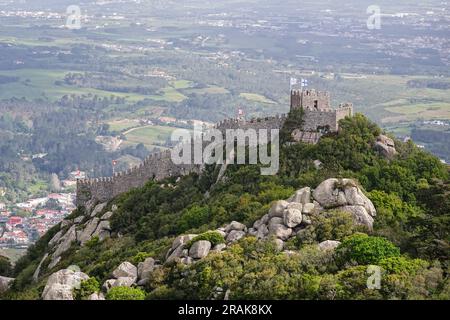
(319, 117)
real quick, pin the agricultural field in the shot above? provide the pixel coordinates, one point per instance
(151, 136)
(256, 98)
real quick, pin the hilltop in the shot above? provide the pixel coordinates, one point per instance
(325, 249)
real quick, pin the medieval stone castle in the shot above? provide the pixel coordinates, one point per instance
(318, 115)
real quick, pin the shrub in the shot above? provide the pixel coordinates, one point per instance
(125, 293)
(94, 241)
(212, 236)
(365, 250)
(401, 265)
(140, 257)
(193, 218)
(87, 287)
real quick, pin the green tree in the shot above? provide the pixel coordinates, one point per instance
(364, 250)
(125, 293)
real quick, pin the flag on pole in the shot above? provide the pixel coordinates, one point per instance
(293, 82)
(304, 83)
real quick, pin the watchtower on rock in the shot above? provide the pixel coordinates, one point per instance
(318, 115)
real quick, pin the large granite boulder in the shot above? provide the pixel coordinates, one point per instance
(258, 223)
(5, 282)
(302, 196)
(330, 194)
(56, 238)
(235, 235)
(234, 225)
(277, 209)
(182, 240)
(98, 208)
(103, 230)
(280, 231)
(175, 255)
(385, 146)
(145, 268)
(345, 195)
(360, 215)
(66, 241)
(125, 270)
(200, 249)
(292, 215)
(60, 284)
(88, 230)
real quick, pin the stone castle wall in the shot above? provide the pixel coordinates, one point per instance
(157, 166)
(318, 115)
(310, 99)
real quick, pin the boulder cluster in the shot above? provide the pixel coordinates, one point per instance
(60, 285)
(385, 146)
(285, 219)
(184, 251)
(128, 275)
(80, 229)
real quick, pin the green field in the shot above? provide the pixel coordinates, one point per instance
(121, 125)
(207, 90)
(256, 98)
(181, 84)
(415, 112)
(169, 94)
(388, 98)
(40, 84)
(150, 136)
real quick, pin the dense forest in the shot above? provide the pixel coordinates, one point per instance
(39, 139)
(409, 240)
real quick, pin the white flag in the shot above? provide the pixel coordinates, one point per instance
(293, 82)
(304, 83)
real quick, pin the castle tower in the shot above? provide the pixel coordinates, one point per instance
(310, 99)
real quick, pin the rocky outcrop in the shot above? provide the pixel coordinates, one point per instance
(81, 229)
(285, 219)
(85, 235)
(145, 268)
(345, 195)
(38, 269)
(66, 241)
(125, 269)
(5, 283)
(98, 208)
(128, 275)
(60, 284)
(385, 147)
